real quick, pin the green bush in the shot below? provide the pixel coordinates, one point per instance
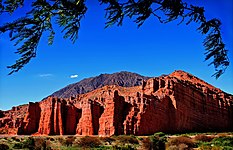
(4, 147)
(125, 147)
(18, 146)
(29, 143)
(159, 134)
(211, 148)
(158, 142)
(223, 141)
(89, 142)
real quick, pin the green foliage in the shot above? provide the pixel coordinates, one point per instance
(122, 147)
(88, 142)
(223, 141)
(29, 143)
(3, 146)
(15, 139)
(157, 141)
(160, 134)
(218, 143)
(28, 30)
(18, 146)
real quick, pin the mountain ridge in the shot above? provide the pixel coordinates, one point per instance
(122, 78)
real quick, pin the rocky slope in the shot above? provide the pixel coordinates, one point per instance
(179, 102)
(124, 79)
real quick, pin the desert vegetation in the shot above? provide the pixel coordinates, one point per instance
(158, 141)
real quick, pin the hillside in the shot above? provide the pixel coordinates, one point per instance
(124, 79)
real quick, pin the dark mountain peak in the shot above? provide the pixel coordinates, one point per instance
(123, 78)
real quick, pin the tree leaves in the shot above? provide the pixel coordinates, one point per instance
(11, 5)
(169, 10)
(27, 31)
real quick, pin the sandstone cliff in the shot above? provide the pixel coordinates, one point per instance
(178, 102)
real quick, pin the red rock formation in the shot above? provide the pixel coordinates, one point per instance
(111, 120)
(71, 117)
(179, 102)
(32, 118)
(58, 118)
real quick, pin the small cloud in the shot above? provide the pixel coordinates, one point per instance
(45, 75)
(74, 76)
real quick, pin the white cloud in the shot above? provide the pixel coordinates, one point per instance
(74, 76)
(45, 75)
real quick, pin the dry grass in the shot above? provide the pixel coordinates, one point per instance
(146, 143)
(88, 142)
(107, 140)
(127, 139)
(203, 138)
(181, 141)
(222, 134)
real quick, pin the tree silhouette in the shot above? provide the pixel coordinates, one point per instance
(28, 29)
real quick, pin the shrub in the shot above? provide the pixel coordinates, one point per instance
(182, 140)
(127, 139)
(146, 143)
(13, 138)
(108, 140)
(89, 142)
(223, 141)
(4, 147)
(203, 138)
(40, 143)
(29, 143)
(157, 142)
(159, 134)
(69, 140)
(205, 147)
(18, 146)
(125, 147)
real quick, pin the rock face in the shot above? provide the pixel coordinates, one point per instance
(179, 102)
(57, 117)
(124, 79)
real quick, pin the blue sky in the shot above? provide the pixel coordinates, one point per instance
(151, 50)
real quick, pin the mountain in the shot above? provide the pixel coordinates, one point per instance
(175, 103)
(124, 79)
